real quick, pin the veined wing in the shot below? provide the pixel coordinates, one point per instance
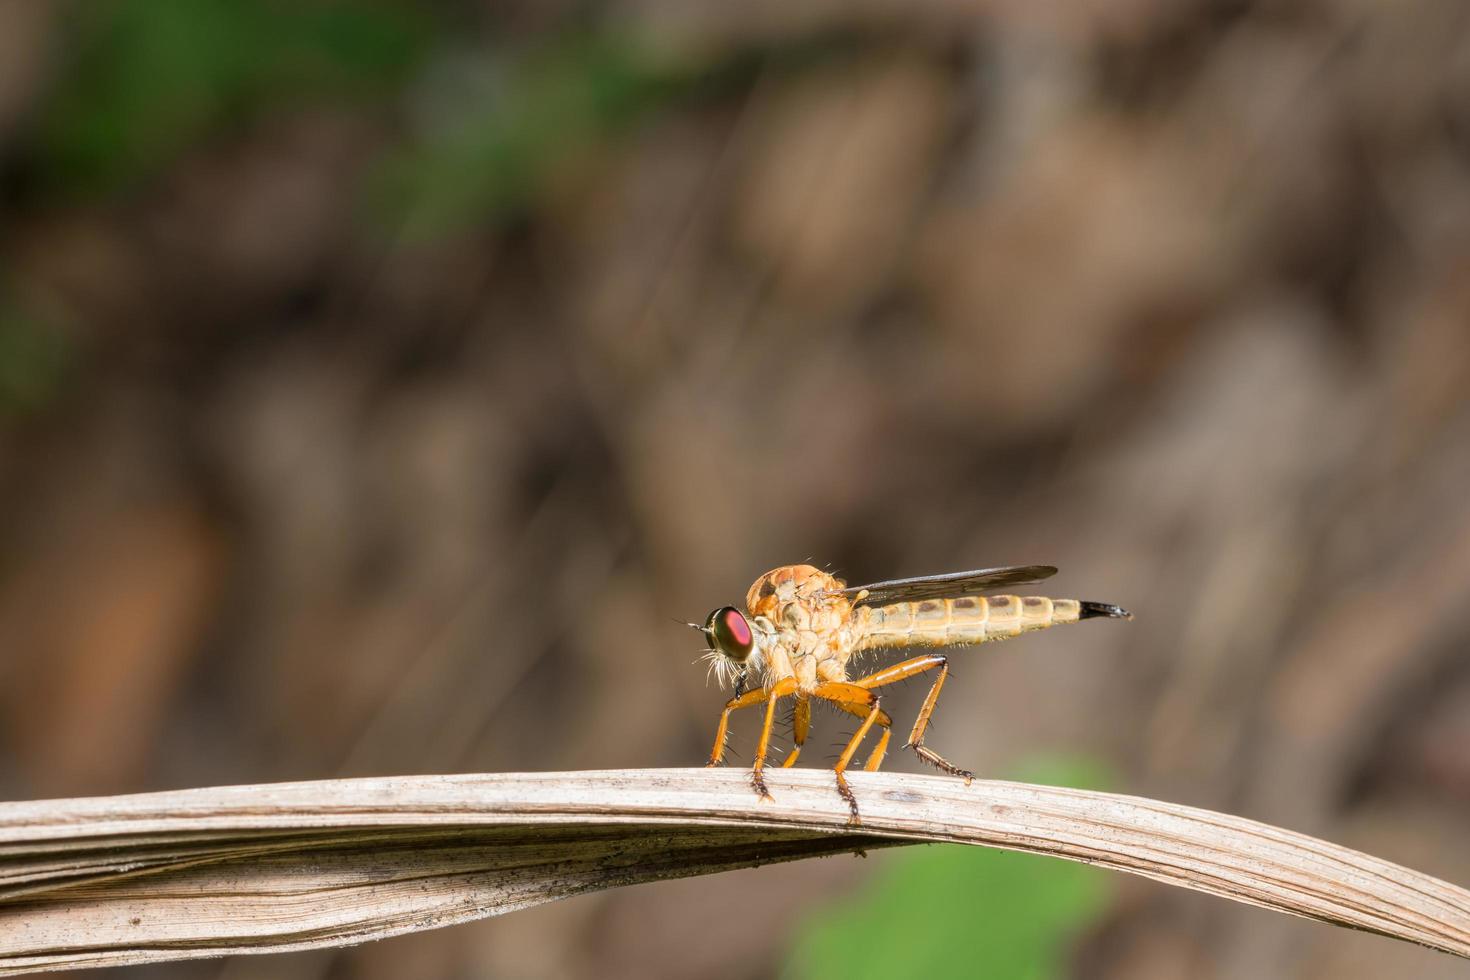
(945, 586)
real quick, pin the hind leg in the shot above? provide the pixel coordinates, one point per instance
(911, 668)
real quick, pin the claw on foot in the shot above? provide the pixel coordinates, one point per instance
(758, 783)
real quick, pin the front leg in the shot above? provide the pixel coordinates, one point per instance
(777, 691)
(746, 700)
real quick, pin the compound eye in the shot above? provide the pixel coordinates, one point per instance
(731, 633)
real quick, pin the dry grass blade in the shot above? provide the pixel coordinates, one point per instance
(252, 869)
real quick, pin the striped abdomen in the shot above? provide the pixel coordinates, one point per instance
(971, 619)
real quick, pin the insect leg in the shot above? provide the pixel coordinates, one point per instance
(783, 687)
(884, 723)
(910, 668)
(801, 723)
(865, 704)
(746, 700)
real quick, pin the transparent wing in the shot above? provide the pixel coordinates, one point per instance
(946, 586)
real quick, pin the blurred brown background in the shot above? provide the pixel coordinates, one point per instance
(378, 381)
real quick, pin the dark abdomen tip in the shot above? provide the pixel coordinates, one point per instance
(1093, 609)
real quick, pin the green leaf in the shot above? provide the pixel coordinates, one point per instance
(947, 910)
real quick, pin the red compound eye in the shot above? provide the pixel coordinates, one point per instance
(731, 633)
(738, 627)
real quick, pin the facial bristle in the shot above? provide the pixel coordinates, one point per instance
(1093, 609)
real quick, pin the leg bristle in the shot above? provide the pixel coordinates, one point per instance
(939, 762)
(844, 791)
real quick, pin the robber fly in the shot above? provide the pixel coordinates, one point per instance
(802, 627)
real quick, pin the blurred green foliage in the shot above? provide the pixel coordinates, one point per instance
(506, 129)
(950, 910)
(145, 79)
(34, 358)
(490, 128)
